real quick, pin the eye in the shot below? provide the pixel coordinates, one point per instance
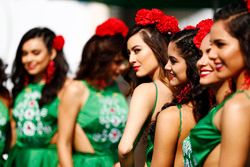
(208, 50)
(128, 52)
(172, 60)
(36, 52)
(136, 50)
(24, 53)
(219, 44)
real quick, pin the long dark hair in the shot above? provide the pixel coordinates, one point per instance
(195, 92)
(97, 55)
(236, 19)
(50, 89)
(3, 78)
(157, 41)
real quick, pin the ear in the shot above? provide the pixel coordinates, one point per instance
(53, 54)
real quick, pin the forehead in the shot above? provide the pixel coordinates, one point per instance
(205, 43)
(219, 30)
(172, 48)
(33, 43)
(135, 39)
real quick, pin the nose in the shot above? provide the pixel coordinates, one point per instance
(168, 66)
(27, 58)
(132, 58)
(212, 54)
(202, 61)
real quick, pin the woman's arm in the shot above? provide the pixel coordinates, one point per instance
(68, 109)
(13, 130)
(141, 105)
(166, 137)
(235, 129)
(81, 141)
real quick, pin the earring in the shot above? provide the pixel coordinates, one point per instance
(246, 84)
(184, 93)
(50, 71)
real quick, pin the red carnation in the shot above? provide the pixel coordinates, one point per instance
(144, 17)
(168, 24)
(58, 42)
(111, 27)
(207, 23)
(156, 15)
(204, 27)
(248, 5)
(189, 27)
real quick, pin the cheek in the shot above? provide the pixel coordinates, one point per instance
(23, 59)
(182, 73)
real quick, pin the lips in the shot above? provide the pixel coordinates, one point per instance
(170, 75)
(218, 66)
(136, 68)
(204, 72)
(30, 67)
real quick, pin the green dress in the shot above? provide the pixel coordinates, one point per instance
(34, 129)
(150, 146)
(150, 137)
(103, 119)
(4, 127)
(202, 139)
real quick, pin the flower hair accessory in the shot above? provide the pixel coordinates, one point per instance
(248, 5)
(164, 23)
(204, 27)
(189, 27)
(111, 27)
(58, 42)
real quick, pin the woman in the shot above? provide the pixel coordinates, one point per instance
(208, 77)
(39, 76)
(5, 101)
(229, 44)
(95, 102)
(189, 105)
(147, 50)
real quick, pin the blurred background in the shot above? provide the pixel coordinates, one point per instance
(76, 19)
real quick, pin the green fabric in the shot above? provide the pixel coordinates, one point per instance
(34, 126)
(180, 128)
(4, 121)
(203, 138)
(102, 118)
(33, 157)
(150, 137)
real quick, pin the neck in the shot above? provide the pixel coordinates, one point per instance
(243, 80)
(155, 74)
(222, 90)
(39, 78)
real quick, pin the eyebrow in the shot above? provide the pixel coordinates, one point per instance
(217, 40)
(134, 47)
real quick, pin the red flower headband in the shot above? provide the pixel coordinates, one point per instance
(111, 27)
(204, 27)
(189, 27)
(248, 5)
(164, 23)
(58, 42)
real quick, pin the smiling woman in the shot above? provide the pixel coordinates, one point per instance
(39, 76)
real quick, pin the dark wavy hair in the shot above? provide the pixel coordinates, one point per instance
(198, 95)
(157, 41)
(236, 19)
(4, 92)
(97, 55)
(18, 74)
